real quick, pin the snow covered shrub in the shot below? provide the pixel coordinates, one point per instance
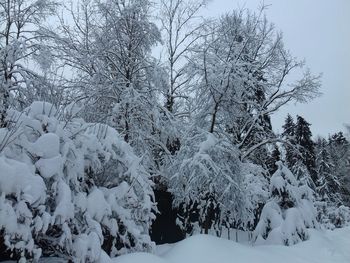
(212, 186)
(323, 215)
(289, 212)
(68, 188)
(332, 217)
(340, 217)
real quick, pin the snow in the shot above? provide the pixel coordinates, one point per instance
(38, 108)
(47, 146)
(322, 247)
(271, 215)
(97, 207)
(65, 208)
(49, 167)
(87, 247)
(208, 143)
(140, 257)
(17, 178)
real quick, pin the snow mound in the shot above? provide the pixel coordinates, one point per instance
(322, 247)
(17, 178)
(47, 146)
(140, 257)
(38, 108)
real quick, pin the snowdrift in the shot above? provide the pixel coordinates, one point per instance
(322, 247)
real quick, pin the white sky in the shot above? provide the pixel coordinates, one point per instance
(319, 31)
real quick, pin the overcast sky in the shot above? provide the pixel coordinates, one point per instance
(319, 31)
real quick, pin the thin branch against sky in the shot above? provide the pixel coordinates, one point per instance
(317, 31)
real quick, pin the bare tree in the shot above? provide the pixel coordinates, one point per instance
(181, 25)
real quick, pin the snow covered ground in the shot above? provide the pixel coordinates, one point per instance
(323, 247)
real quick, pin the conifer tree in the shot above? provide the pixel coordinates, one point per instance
(273, 158)
(339, 150)
(303, 175)
(288, 127)
(288, 134)
(303, 137)
(327, 184)
(289, 212)
(330, 188)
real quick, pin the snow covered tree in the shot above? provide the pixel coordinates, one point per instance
(303, 175)
(204, 164)
(303, 137)
(127, 42)
(339, 150)
(20, 37)
(210, 182)
(288, 134)
(180, 28)
(273, 159)
(289, 212)
(109, 47)
(234, 93)
(299, 150)
(70, 188)
(328, 186)
(240, 69)
(332, 181)
(288, 127)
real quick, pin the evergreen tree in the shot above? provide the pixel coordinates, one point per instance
(339, 150)
(303, 137)
(274, 157)
(289, 212)
(302, 174)
(288, 127)
(330, 189)
(328, 185)
(288, 134)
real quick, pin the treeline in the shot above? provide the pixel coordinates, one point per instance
(91, 124)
